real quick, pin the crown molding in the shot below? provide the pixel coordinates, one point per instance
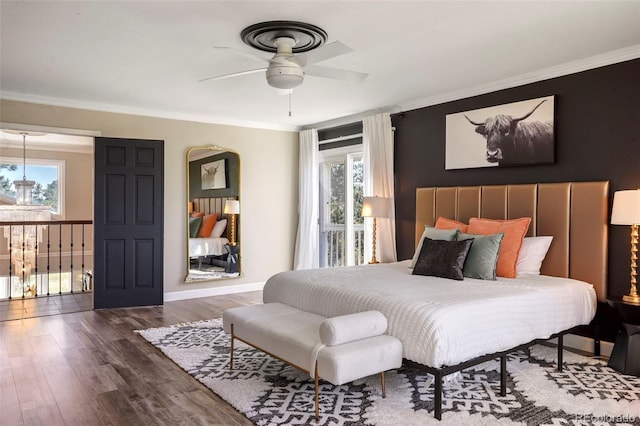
(121, 109)
(609, 58)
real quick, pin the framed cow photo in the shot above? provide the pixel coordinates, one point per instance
(515, 134)
(214, 175)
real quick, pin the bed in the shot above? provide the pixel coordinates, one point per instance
(209, 247)
(446, 325)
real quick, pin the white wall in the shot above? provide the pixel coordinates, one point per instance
(269, 182)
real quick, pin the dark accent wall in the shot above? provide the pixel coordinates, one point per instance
(232, 169)
(597, 131)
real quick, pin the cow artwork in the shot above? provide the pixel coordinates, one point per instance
(524, 137)
(213, 175)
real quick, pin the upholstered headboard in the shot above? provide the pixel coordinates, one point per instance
(574, 213)
(210, 205)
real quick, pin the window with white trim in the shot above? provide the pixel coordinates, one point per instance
(48, 175)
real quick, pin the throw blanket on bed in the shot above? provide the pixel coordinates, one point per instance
(440, 321)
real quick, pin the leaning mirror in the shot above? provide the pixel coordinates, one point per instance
(213, 208)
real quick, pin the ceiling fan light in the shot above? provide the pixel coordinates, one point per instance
(284, 77)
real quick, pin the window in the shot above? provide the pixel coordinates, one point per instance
(48, 175)
(341, 193)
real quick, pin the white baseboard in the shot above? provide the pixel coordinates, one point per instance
(584, 344)
(214, 291)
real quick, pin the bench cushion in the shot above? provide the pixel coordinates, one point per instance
(344, 363)
(347, 328)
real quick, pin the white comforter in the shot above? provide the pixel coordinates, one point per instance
(207, 246)
(441, 321)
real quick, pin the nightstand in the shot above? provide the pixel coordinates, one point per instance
(232, 258)
(625, 356)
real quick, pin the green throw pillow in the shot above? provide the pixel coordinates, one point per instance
(483, 256)
(194, 226)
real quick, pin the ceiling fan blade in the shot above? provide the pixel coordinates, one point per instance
(240, 52)
(335, 73)
(235, 74)
(323, 53)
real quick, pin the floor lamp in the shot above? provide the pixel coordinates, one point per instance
(626, 211)
(375, 207)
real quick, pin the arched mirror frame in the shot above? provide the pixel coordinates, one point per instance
(189, 277)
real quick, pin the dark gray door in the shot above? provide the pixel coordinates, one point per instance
(128, 222)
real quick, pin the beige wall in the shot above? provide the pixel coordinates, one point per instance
(78, 177)
(269, 176)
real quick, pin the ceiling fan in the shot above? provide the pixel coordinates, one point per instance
(297, 46)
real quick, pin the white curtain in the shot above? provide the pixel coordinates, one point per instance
(378, 181)
(306, 254)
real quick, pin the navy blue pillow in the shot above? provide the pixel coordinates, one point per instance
(444, 259)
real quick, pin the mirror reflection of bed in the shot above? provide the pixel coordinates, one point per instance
(213, 205)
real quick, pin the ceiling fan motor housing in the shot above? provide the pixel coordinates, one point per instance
(285, 76)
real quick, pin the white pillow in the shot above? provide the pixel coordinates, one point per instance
(532, 253)
(218, 228)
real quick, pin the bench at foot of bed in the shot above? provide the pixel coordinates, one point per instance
(338, 350)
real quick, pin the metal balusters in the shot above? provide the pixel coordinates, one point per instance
(10, 259)
(60, 259)
(83, 277)
(48, 257)
(71, 259)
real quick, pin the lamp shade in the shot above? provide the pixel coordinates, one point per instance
(232, 207)
(375, 207)
(626, 207)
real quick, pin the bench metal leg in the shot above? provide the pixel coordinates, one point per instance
(384, 393)
(231, 352)
(317, 395)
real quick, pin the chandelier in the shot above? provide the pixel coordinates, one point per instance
(23, 239)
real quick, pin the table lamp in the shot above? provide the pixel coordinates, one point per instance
(375, 207)
(232, 207)
(626, 211)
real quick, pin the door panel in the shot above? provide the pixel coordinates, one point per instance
(128, 220)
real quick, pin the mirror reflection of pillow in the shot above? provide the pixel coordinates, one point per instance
(219, 228)
(197, 214)
(208, 222)
(194, 226)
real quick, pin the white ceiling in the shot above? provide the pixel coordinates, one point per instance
(146, 57)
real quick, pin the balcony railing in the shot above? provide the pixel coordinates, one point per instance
(333, 246)
(45, 258)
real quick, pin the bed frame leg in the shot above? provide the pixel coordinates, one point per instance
(503, 375)
(437, 394)
(384, 393)
(231, 352)
(560, 348)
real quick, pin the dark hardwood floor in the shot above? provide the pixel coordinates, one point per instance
(45, 305)
(90, 368)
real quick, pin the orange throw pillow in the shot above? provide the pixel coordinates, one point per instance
(514, 231)
(197, 214)
(444, 223)
(208, 222)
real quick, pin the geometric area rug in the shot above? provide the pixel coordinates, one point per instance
(269, 392)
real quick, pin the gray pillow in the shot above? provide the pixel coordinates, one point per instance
(434, 234)
(444, 259)
(483, 255)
